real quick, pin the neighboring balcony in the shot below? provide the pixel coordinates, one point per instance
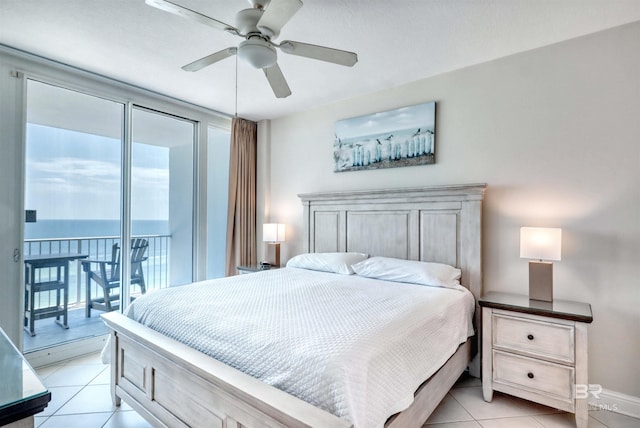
(156, 269)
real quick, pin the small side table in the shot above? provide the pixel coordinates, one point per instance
(59, 283)
(253, 268)
(536, 350)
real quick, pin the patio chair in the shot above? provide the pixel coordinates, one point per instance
(107, 276)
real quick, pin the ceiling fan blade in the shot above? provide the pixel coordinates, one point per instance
(278, 13)
(321, 53)
(192, 15)
(277, 81)
(210, 59)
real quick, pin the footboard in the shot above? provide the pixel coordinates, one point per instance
(171, 384)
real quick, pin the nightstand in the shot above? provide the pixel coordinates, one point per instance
(253, 268)
(536, 350)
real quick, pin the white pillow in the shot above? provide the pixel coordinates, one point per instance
(414, 272)
(327, 262)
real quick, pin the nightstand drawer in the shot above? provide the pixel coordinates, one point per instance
(551, 341)
(532, 375)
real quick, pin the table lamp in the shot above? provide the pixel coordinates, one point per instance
(273, 234)
(542, 244)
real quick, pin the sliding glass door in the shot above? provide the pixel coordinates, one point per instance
(110, 197)
(72, 197)
(162, 192)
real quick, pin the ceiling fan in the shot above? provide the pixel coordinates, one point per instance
(259, 25)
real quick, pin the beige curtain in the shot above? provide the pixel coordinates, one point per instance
(241, 216)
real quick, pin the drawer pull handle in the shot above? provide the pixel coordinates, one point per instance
(530, 375)
(530, 336)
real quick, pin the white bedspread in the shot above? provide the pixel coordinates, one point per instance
(356, 347)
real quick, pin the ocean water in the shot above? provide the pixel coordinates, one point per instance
(74, 233)
(46, 229)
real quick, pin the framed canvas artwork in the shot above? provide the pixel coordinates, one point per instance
(394, 138)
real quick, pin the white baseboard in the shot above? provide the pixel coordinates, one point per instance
(616, 402)
(65, 351)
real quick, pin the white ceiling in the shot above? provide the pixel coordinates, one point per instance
(397, 42)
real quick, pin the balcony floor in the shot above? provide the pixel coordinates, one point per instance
(48, 333)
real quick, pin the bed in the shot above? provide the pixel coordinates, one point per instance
(172, 384)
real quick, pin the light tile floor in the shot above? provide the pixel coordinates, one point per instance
(80, 398)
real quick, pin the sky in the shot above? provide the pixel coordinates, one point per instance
(73, 175)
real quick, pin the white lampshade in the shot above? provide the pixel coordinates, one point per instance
(540, 243)
(273, 232)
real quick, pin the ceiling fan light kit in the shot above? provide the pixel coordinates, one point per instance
(258, 25)
(257, 52)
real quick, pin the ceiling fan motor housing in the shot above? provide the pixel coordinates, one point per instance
(261, 4)
(247, 20)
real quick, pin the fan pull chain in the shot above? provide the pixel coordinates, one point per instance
(236, 111)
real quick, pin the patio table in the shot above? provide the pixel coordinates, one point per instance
(59, 283)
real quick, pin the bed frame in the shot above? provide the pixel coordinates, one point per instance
(173, 385)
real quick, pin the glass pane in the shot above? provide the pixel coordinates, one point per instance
(218, 152)
(20, 385)
(72, 191)
(162, 199)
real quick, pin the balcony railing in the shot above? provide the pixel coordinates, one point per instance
(156, 267)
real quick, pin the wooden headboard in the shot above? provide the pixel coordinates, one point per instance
(436, 224)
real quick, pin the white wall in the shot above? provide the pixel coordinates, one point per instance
(218, 154)
(555, 133)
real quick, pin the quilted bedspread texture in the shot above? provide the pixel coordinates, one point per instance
(353, 346)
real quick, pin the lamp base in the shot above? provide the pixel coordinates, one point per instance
(272, 255)
(541, 281)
